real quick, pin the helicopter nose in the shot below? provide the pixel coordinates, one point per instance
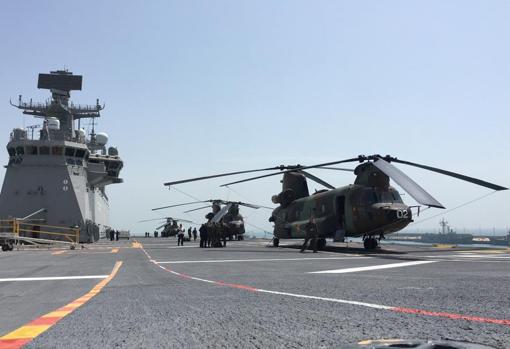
(399, 213)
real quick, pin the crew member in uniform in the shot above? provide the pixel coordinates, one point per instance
(224, 231)
(180, 236)
(211, 229)
(203, 235)
(311, 234)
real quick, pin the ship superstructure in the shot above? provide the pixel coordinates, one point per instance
(60, 178)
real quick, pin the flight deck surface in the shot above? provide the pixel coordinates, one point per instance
(153, 294)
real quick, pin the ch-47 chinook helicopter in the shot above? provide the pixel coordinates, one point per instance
(170, 226)
(228, 216)
(369, 208)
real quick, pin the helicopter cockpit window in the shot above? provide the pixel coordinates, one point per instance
(11, 151)
(389, 196)
(368, 196)
(20, 150)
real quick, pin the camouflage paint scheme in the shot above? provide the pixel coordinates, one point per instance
(369, 207)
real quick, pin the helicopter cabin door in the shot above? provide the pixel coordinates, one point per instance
(340, 216)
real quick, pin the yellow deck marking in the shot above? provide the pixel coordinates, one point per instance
(444, 246)
(58, 252)
(74, 304)
(136, 244)
(31, 331)
(115, 250)
(58, 313)
(485, 251)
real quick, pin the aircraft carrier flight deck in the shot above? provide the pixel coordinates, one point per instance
(150, 293)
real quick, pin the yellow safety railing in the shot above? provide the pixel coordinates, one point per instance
(21, 229)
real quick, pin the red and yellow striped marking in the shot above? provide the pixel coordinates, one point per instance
(24, 334)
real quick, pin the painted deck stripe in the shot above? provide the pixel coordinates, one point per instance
(24, 334)
(451, 316)
(54, 278)
(371, 267)
(45, 321)
(423, 312)
(257, 260)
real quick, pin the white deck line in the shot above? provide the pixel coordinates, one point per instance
(54, 278)
(258, 260)
(372, 267)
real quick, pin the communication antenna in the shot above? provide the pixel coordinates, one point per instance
(32, 128)
(444, 225)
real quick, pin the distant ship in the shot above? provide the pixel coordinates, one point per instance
(501, 241)
(60, 178)
(447, 236)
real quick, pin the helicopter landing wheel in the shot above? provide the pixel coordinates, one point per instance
(321, 244)
(276, 242)
(370, 243)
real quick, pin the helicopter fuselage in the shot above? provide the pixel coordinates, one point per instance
(357, 210)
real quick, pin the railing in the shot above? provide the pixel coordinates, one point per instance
(16, 229)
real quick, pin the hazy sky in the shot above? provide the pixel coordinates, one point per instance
(198, 87)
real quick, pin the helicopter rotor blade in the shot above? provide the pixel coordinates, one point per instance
(316, 179)
(245, 204)
(221, 213)
(298, 168)
(335, 168)
(452, 174)
(220, 175)
(254, 178)
(181, 220)
(169, 206)
(404, 181)
(161, 226)
(199, 208)
(152, 220)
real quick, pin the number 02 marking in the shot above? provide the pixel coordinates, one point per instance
(402, 214)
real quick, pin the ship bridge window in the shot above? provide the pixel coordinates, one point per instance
(44, 150)
(11, 151)
(69, 151)
(31, 150)
(57, 150)
(80, 153)
(20, 150)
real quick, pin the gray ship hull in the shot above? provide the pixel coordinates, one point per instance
(47, 182)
